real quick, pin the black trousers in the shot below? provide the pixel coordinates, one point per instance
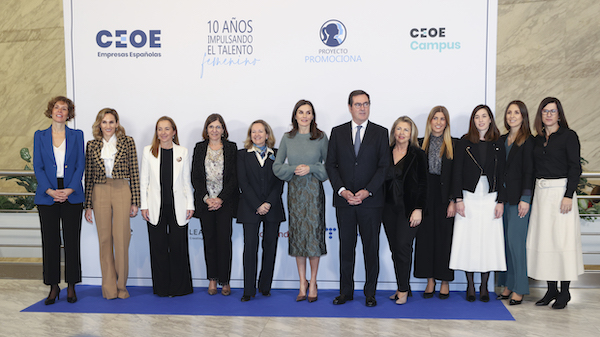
(368, 221)
(169, 256)
(51, 217)
(269, 247)
(216, 232)
(400, 237)
(434, 238)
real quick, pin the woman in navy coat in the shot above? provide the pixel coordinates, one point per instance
(260, 201)
(59, 163)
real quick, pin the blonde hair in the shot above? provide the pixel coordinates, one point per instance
(270, 139)
(413, 131)
(97, 131)
(446, 148)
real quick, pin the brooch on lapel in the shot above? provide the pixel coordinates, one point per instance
(272, 157)
(178, 159)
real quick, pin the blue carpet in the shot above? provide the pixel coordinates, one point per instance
(280, 304)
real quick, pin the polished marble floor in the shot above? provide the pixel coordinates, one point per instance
(580, 318)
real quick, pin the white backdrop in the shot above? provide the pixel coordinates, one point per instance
(255, 59)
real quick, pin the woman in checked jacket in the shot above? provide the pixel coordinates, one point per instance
(112, 190)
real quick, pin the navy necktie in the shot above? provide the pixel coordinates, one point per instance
(357, 140)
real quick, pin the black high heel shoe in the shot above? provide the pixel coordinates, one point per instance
(429, 294)
(444, 296)
(315, 298)
(51, 299)
(503, 297)
(71, 299)
(561, 300)
(470, 295)
(549, 297)
(484, 296)
(515, 302)
(247, 298)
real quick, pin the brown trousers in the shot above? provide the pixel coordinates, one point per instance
(112, 203)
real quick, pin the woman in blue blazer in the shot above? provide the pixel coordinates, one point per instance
(260, 201)
(59, 163)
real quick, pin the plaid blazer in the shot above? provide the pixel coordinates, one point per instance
(125, 167)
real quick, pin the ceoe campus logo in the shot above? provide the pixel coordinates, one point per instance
(333, 33)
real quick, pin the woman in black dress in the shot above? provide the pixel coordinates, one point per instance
(260, 201)
(405, 197)
(434, 238)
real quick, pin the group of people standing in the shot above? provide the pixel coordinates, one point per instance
(467, 202)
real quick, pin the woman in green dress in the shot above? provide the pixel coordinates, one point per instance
(305, 148)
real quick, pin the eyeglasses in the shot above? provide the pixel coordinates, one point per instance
(549, 112)
(365, 104)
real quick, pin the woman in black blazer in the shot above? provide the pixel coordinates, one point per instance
(214, 179)
(260, 201)
(405, 197)
(478, 188)
(434, 238)
(518, 179)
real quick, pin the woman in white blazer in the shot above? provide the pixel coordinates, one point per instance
(167, 205)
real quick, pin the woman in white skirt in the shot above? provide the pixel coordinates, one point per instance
(554, 240)
(478, 241)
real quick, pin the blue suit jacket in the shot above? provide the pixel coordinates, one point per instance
(45, 165)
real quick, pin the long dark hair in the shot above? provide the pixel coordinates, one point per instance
(492, 133)
(539, 125)
(524, 130)
(315, 133)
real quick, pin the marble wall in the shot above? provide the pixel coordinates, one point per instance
(551, 48)
(545, 48)
(32, 70)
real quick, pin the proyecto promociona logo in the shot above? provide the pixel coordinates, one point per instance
(121, 39)
(333, 33)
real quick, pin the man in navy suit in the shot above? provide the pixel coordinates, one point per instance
(357, 160)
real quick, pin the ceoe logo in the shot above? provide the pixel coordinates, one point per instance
(333, 33)
(137, 38)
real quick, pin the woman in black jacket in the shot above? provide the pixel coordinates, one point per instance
(434, 238)
(260, 201)
(405, 197)
(518, 179)
(215, 183)
(478, 188)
